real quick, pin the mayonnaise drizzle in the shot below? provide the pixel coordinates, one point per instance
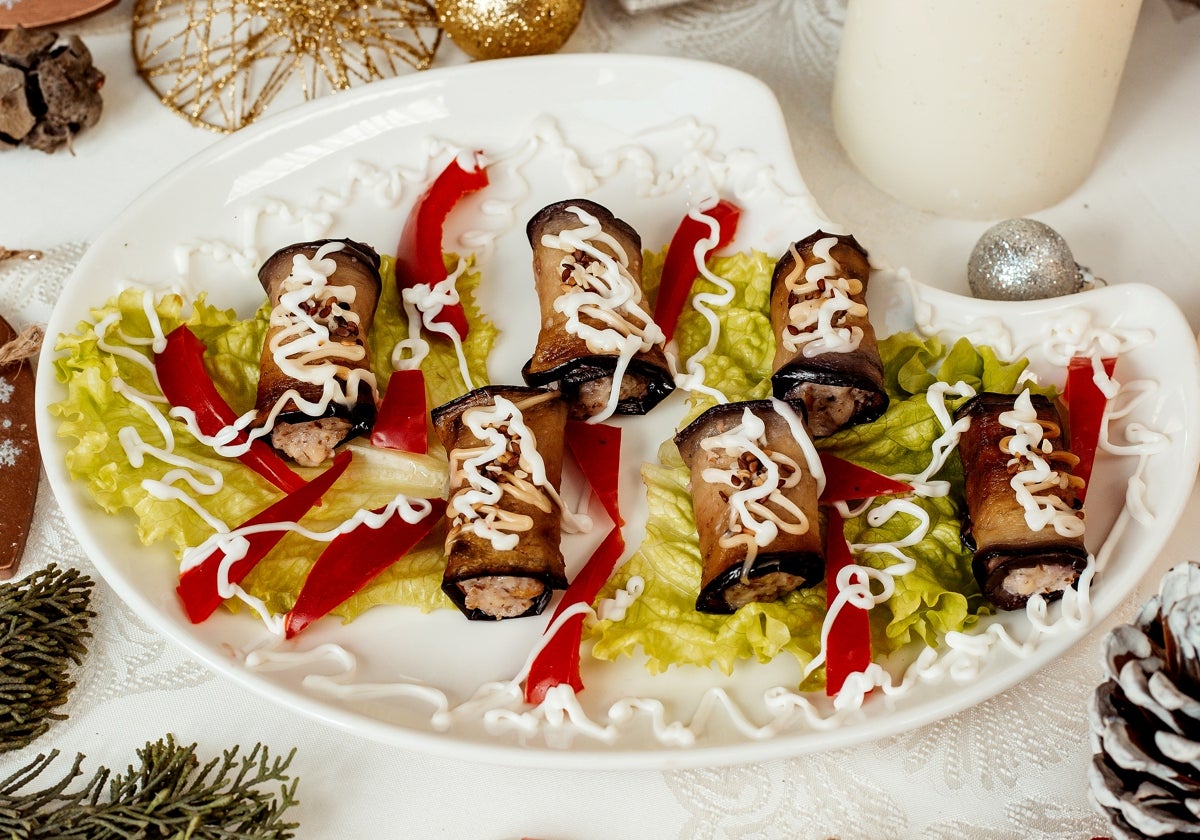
(758, 506)
(233, 545)
(422, 305)
(704, 303)
(101, 330)
(923, 483)
(560, 717)
(614, 608)
(854, 581)
(1035, 478)
(602, 290)
(485, 477)
(301, 342)
(820, 302)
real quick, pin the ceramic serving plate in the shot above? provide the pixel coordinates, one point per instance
(649, 138)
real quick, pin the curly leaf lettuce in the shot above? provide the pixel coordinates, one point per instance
(939, 596)
(740, 364)
(94, 413)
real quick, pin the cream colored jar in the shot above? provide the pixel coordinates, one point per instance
(979, 108)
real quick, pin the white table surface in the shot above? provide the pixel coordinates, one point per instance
(1011, 767)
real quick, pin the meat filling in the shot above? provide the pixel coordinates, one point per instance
(501, 596)
(593, 396)
(769, 587)
(312, 442)
(830, 407)
(1040, 580)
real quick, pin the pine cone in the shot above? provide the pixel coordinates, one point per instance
(1145, 774)
(48, 93)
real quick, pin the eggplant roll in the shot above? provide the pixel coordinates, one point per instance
(1025, 523)
(315, 386)
(595, 335)
(755, 500)
(826, 354)
(504, 516)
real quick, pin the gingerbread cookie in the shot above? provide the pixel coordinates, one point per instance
(20, 461)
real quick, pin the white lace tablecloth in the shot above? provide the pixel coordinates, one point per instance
(1013, 767)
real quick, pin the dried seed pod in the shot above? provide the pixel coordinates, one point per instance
(48, 92)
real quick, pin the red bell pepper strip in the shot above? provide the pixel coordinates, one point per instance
(597, 450)
(680, 269)
(186, 384)
(848, 646)
(419, 257)
(558, 660)
(1085, 409)
(845, 481)
(401, 420)
(198, 585)
(353, 560)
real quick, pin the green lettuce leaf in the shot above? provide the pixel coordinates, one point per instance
(740, 364)
(93, 413)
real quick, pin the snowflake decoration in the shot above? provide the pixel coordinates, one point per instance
(8, 453)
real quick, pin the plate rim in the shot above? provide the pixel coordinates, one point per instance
(73, 499)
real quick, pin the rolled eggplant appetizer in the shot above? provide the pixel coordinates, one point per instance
(755, 499)
(1025, 523)
(826, 354)
(315, 386)
(504, 517)
(597, 342)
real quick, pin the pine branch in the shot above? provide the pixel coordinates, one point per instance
(168, 794)
(43, 624)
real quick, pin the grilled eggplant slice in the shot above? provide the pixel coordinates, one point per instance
(315, 386)
(596, 335)
(1030, 539)
(826, 354)
(755, 499)
(504, 516)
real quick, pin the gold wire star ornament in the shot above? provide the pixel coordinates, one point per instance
(220, 63)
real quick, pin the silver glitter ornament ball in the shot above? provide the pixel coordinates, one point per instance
(1022, 259)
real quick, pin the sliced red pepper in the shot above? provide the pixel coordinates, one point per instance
(1085, 409)
(198, 585)
(597, 450)
(400, 422)
(848, 646)
(558, 660)
(186, 384)
(419, 256)
(845, 481)
(680, 270)
(353, 560)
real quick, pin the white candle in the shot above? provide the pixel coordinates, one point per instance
(979, 108)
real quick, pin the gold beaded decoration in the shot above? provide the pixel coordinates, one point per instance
(220, 63)
(504, 28)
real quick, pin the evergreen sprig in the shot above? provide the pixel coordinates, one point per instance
(168, 794)
(43, 624)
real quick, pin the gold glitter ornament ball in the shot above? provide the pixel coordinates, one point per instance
(505, 28)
